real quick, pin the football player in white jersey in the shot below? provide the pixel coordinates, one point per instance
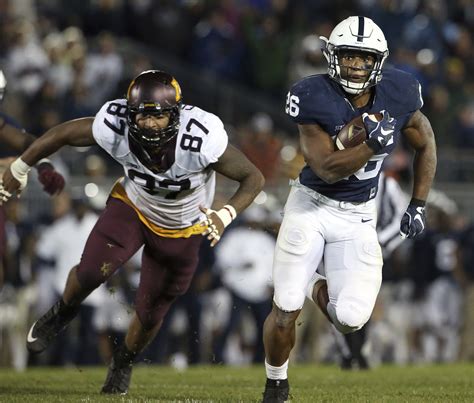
(170, 153)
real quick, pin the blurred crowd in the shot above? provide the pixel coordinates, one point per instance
(65, 62)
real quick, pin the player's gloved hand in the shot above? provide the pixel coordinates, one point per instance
(379, 133)
(14, 179)
(413, 221)
(217, 221)
(52, 181)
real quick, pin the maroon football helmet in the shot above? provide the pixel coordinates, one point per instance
(153, 92)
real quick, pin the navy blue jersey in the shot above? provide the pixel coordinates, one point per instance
(6, 151)
(320, 100)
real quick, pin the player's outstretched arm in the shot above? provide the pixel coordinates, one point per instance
(321, 155)
(19, 140)
(77, 133)
(234, 165)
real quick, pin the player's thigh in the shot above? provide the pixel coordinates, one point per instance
(116, 236)
(3, 240)
(298, 251)
(353, 267)
(168, 265)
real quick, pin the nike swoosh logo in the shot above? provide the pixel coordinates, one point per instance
(180, 176)
(385, 132)
(366, 220)
(30, 338)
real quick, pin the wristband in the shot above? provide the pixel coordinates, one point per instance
(227, 214)
(417, 202)
(19, 169)
(231, 211)
(44, 161)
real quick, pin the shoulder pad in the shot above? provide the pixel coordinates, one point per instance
(208, 131)
(110, 125)
(310, 99)
(402, 90)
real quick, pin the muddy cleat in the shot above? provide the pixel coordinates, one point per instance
(46, 328)
(118, 379)
(120, 372)
(276, 391)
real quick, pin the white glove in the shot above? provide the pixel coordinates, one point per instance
(214, 228)
(19, 170)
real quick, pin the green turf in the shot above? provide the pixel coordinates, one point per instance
(443, 383)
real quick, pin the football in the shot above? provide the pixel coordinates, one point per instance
(354, 133)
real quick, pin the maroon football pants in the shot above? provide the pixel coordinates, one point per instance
(168, 264)
(3, 240)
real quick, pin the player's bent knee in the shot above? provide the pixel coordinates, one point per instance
(348, 317)
(289, 300)
(285, 320)
(352, 316)
(150, 316)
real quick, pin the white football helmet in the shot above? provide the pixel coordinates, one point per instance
(3, 84)
(355, 33)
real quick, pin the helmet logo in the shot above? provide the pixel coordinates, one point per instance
(177, 88)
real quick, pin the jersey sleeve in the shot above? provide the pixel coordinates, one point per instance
(308, 100)
(402, 92)
(109, 126)
(216, 142)
(413, 94)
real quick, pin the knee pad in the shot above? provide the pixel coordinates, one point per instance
(289, 300)
(294, 237)
(348, 315)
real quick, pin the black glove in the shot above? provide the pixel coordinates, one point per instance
(379, 133)
(413, 221)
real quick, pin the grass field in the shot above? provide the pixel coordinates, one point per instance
(448, 383)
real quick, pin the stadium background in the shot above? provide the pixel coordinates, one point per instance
(62, 60)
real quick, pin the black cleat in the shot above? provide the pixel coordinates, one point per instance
(120, 372)
(346, 363)
(46, 328)
(363, 363)
(276, 391)
(118, 379)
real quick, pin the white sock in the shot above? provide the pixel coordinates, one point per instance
(277, 372)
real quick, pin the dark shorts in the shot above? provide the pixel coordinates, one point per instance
(168, 264)
(3, 238)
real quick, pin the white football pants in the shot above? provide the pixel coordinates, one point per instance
(340, 238)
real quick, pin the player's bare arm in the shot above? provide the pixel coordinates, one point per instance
(77, 133)
(235, 165)
(330, 164)
(420, 136)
